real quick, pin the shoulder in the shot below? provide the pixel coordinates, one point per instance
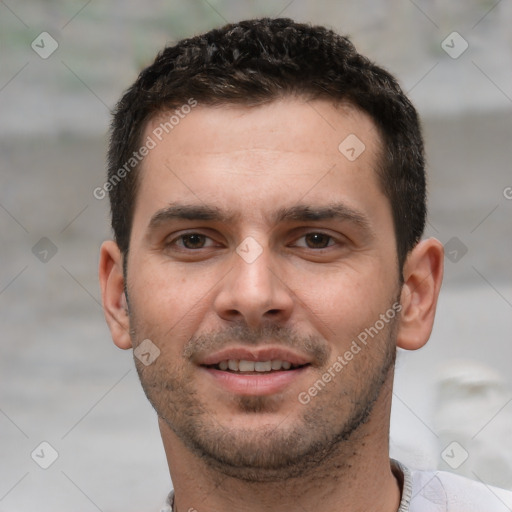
(441, 491)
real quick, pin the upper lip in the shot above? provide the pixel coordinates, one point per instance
(254, 354)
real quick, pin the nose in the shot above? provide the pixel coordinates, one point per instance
(253, 291)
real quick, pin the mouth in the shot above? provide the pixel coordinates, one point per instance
(246, 367)
(256, 371)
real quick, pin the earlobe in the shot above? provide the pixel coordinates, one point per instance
(113, 297)
(423, 275)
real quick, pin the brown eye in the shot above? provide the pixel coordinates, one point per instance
(317, 240)
(193, 241)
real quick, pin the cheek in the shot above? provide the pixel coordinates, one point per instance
(343, 302)
(167, 303)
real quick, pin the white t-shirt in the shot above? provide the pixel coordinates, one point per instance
(441, 491)
(438, 491)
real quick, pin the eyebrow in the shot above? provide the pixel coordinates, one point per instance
(336, 211)
(176, 211)
(297, 213)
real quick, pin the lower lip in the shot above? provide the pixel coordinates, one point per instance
(258, 384)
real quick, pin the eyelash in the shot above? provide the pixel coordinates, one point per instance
(180, 238)
(175, 241)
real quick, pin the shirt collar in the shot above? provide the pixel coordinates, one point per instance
(401, 473)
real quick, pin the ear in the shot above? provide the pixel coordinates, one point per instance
(112, 293)
(423, 274)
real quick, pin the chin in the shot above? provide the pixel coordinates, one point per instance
(260, 443)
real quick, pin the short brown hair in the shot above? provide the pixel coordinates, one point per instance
(258, 61)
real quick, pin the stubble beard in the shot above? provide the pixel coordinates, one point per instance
(288, 450)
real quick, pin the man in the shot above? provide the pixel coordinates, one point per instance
(268, 199)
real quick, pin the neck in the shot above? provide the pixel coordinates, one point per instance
(355, 476)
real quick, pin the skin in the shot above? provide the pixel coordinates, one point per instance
(317, 284)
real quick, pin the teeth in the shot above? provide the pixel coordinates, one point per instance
(276, 365)
(262, 366)
(246, 366)
(243, 365)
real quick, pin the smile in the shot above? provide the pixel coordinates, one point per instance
(243, 365)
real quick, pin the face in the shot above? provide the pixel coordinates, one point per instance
(262, 261)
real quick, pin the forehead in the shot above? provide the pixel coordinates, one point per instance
(269, 155)
(278, 124)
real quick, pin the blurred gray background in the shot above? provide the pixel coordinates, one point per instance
(63, 65)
